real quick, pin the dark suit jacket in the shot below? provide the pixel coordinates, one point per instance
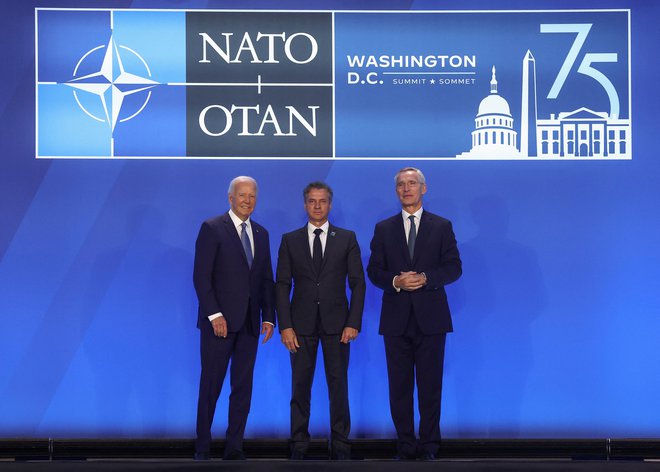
(436, 254)
(224, 282)
(326, 291)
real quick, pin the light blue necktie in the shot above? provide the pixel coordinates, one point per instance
(245, 239)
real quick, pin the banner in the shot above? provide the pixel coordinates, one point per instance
(333, 85)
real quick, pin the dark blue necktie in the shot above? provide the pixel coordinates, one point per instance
(245, 240)
(412, 236)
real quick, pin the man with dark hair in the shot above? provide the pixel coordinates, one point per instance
(318, 186)
(413, 256)
(233, 278)
(317, 260)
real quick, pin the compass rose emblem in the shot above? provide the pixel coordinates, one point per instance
(112, 84)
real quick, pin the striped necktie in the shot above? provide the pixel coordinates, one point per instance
(247, 247)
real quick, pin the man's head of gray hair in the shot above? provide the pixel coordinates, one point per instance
(420, 175)
(240, 179)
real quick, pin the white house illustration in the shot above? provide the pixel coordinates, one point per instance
(582, 133)
(577, 134)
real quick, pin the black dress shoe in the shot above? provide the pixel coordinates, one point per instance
(202, 456)
(235, 455)
(297, 455)
(405, 457)
(428, 456)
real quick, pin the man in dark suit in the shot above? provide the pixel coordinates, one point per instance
(233, 278)
(318, 259)
(413, 256)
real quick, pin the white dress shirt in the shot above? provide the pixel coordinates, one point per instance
(406, 221)
(323, 236)
(406, 226)
(237, 224)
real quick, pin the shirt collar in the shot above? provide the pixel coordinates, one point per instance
(417, 214)
(236, 220)
(311, 227)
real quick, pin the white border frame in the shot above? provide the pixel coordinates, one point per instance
(334, 156)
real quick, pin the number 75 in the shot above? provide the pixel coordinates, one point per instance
(582, 30)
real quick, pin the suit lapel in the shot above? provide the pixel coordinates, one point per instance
(233, 236)
(302, 238)
(330, 245)
(399, 231)
(423, 234)
(258, 243)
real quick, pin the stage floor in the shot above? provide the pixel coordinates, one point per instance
(269, 465)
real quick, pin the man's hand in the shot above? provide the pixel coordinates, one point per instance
(401, 279)
(290, 340)
(348, 335)
(410, 281)
(267, 329)
(219, 326)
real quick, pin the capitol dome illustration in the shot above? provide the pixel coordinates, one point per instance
(493, 136)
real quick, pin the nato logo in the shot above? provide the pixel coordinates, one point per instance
(176, 84)
(111, 84)
(108, 83)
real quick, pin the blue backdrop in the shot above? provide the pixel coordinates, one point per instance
(556, 315)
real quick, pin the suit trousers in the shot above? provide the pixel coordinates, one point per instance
(303, 363)
(422, 356)
(241, 348)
